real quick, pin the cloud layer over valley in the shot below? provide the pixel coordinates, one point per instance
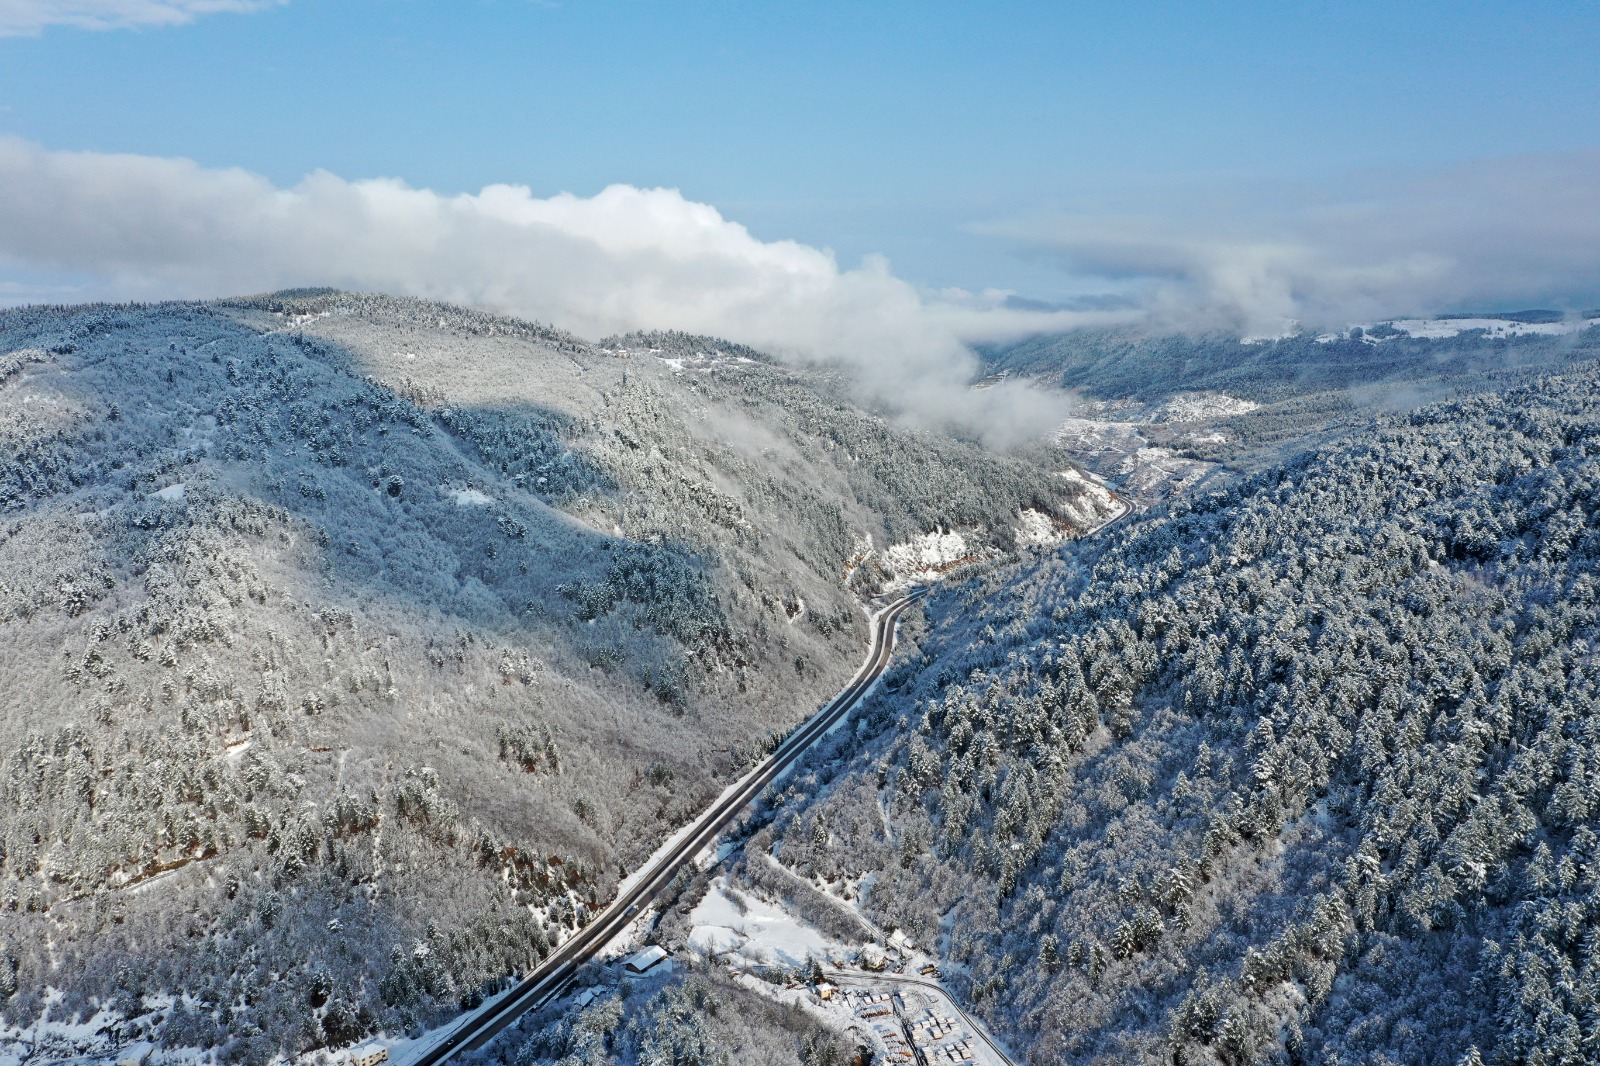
(622, 259)
(1257, 257)
(1256, 260)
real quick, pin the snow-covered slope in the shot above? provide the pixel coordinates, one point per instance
(1490, 326)
(1296, 771)
(377, 638)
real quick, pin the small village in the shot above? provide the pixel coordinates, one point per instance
(910, 1024)
(911, 1027)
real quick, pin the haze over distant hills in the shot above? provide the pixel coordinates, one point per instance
(1163, 412)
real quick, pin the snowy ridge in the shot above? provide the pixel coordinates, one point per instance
(1443, 328)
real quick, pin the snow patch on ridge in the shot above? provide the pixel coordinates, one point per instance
(1096, 505)
(471, 498)
(929, 556)
(1439, 328)
(1444, 328)
(1038, 529)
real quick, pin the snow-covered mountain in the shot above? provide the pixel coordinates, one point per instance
(1302, 770)
(1165, 413)
(354, 646)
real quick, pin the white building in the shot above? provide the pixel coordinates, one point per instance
(645, 961)
(368, 1055)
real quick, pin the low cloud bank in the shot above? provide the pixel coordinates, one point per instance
(625, 258)
(26, 18)
(1492, 234)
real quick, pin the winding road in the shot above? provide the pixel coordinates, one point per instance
(552, 975)
(478, 1028)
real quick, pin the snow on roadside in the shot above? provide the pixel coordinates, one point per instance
(706, 856)
(403, 1048)
(1078, 477)
(1095, 506)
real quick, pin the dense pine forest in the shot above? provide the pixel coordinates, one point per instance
(356, 647)
(359, 647)
(1301, 771)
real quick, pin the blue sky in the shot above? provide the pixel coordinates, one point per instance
(959, 140)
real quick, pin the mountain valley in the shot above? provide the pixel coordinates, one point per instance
(359, 648)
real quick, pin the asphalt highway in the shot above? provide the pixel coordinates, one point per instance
(558, 970)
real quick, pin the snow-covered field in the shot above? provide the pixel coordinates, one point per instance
(1437, 328)
(1089, 436)
(743, 931)
(732, 925)
(1152, 470)
(1442, 328)
(1200, 406)
(1136, 444)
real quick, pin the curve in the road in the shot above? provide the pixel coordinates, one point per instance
(558, 970)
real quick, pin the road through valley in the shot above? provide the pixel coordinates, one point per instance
(557, 971)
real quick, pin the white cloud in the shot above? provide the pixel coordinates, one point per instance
(1489, 234)
(29, 17)
(622, 259)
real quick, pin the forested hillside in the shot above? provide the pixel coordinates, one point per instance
(1166, 413)
(354, 646)
(1302, 771)
(1149, 366)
